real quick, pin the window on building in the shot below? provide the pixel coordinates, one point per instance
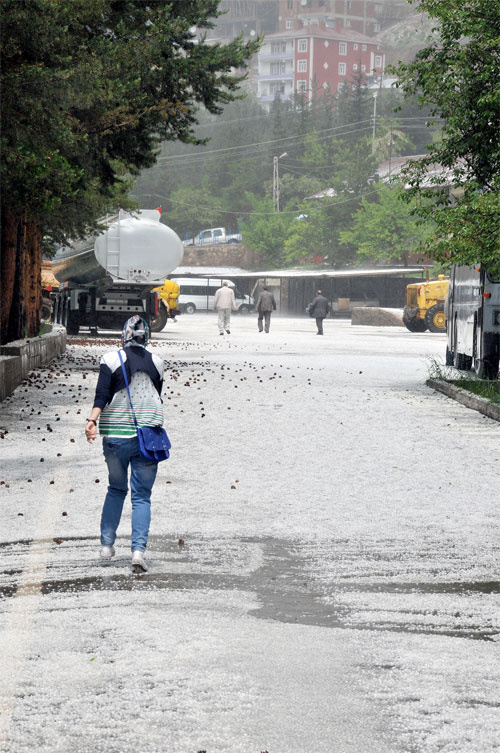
(347, 23)
(302, 66)
(278, 87)
(278, 47)
(288, 23)
(289, 4)
(355, 66)
(364, 48)
(363, 68)
(342, 69)
(376, 27)
(378, 8)
(378, 61)
(301, 85)
(348, 4)
(302, 45)
(278, 67)
(342, 48)
(355, 46)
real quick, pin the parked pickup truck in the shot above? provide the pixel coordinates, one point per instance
(213, 235)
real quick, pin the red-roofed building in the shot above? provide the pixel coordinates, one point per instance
(293, 61)
(366, 16)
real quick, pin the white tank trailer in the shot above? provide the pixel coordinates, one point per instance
(109, 277)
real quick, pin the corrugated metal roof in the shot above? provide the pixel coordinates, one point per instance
(223, 272)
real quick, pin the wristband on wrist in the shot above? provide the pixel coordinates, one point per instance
(91, 420)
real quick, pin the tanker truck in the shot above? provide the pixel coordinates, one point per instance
(107, 278)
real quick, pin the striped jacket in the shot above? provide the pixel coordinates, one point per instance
(145, 376)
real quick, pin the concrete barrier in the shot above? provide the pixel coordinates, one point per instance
(374, 316)
(20, 357)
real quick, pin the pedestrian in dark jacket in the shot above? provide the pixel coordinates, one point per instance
(265, 306)
(319, 308)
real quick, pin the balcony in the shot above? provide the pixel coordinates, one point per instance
(277, 56)
(276, 76)
(270, 97)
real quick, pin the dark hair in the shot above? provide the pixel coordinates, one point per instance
(264, 287)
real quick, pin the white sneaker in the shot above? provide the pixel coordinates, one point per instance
(138, 562)
(107, 552)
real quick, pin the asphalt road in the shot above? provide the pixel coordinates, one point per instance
(335, 589)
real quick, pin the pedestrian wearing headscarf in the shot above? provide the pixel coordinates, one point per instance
(119, 435)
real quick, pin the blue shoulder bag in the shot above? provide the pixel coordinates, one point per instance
(154, 444)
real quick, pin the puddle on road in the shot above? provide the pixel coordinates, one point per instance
(282, 582)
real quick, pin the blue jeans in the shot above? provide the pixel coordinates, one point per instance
(119, 453)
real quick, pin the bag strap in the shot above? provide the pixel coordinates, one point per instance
(128, 391)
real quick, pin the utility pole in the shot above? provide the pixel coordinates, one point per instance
(374, 120)
(390, 152)
(276, 181)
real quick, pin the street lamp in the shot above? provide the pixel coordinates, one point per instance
(276, 181)
(374, 120)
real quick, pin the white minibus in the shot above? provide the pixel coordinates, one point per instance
(197, 294)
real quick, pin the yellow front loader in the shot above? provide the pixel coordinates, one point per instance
(425, 305)
(168, 305)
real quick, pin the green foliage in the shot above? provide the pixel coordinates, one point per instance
(90, 90)
(384, 228)
(457, 77)
(265, 230)
(461, 226)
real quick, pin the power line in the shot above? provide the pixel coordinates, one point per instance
(215, 155)
(252, 149)
(265, 143)
(358, 197)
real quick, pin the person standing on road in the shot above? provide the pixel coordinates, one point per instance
(265, 306)
(223, 303)
(120, 444)
(319, 308)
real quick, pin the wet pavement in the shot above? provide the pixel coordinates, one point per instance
(324, 573)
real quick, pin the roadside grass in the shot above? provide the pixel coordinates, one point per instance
(45, 328)
(487, 388)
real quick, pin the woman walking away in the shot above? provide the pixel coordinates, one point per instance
(120, 444)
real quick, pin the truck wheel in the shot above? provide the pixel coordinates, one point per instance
(413, 323)
(459, 361)
(243, 309)
(46, 309)
(435, 318)
(189, 308)
(487, 368)
(73, 321)
(159, 320)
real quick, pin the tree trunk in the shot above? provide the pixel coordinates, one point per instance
(33, 282)
(10, 231)
(21, 260)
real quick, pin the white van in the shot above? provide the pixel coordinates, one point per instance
(198, 294)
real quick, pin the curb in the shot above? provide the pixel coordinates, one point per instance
(481, 404)
(18, 358)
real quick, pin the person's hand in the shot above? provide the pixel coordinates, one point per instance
(90, 431)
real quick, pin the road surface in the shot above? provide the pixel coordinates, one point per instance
(337, 588)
